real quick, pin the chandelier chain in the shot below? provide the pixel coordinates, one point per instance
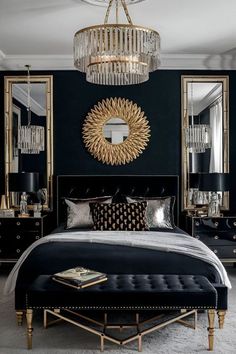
(117, 11)
(28, 94)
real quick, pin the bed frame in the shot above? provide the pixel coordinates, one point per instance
(84, 186)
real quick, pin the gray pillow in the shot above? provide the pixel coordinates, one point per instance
(79, 214)
(159, 212)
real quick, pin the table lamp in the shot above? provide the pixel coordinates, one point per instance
(24, 182)
(214, 182)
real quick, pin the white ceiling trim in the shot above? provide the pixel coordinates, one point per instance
(168, 62)
(20, 95)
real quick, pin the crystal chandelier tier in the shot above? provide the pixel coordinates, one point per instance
(30, 137)
(197, 136)
(117, 54)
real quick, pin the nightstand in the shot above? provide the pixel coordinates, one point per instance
(219, 234)
(16, 234)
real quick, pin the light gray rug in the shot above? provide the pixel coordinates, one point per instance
(67, 339)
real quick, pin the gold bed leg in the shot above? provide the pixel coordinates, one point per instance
(19, 317)
(211, 328)
(102, 342)
(29, 318)
(221, 318)
(140, 342)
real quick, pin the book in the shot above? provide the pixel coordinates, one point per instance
(79, 277)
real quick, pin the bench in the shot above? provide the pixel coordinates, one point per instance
(184, 294)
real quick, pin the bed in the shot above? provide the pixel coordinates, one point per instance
(110, 252)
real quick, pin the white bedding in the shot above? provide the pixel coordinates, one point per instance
(163, 241)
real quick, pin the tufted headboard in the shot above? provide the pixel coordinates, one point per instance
(83, 186)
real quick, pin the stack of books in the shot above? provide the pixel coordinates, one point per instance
(79, 277)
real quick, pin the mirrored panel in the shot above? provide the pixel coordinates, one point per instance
(205, 140)
(116, 130)
(28, 138)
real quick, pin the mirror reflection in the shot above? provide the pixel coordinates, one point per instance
(204, 139)
(28, 117)
(116, 130)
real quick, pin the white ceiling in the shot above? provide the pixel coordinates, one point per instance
(194, 34)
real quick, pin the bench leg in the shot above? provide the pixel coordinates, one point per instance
(19, 317)
(211, 328)
(221, 318)
(29, 318)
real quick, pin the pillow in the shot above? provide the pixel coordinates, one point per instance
(79, 213)
(119, 216)
(159, 212)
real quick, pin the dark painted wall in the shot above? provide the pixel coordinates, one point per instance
(160, 99)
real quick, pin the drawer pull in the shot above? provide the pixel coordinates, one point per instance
(216, 223)
(18, 237)
(234, 251)
(18, 250)
(18, 223)
(234, 237)
(234, 223)
(37, 237)
(216, 237)
(37, 223)
(197, 223)
(215, 251)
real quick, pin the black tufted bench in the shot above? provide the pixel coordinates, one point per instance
(124, 292)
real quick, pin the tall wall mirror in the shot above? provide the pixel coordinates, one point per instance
(29, 136)
(205, 140)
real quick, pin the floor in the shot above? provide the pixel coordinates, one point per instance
(67, 339)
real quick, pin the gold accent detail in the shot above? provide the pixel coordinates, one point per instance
(211, 328)
(3, 205)
(185, 80)
(132, 147)
(104, 26)
(221, 318)
(19, 316)
(29, 318)
(8, 109)
(102, 333)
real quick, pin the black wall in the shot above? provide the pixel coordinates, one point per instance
(159, 98)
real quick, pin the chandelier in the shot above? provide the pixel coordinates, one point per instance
(197, 136)
(116, 54)
(30, 137)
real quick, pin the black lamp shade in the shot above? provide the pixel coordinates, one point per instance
(214, 182)
(24, 182)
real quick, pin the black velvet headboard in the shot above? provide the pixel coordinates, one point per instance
(118, 186)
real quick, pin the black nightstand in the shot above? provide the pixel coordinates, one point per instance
(16, 234)
(219, 234)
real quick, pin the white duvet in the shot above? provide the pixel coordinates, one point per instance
(162, 241)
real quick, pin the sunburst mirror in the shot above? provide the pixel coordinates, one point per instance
(116, 131)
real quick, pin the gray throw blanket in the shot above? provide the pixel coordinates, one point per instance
(162, 241)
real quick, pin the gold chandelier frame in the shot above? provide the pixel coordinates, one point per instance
(102, 149)
(114, 53)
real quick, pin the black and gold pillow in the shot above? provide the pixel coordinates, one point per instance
(119, 216)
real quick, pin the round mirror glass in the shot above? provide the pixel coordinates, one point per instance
(115, 130)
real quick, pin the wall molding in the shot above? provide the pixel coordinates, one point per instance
(225, 61)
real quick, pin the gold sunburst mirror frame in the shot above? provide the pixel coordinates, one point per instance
(138, 131)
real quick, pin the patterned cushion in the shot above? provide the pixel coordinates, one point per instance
(119, 216)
